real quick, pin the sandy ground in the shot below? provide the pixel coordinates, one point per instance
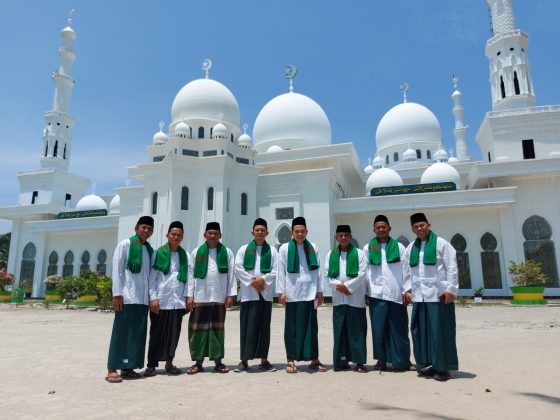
(53, 366)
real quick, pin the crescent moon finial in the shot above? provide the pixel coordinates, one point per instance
(290, 72)
(70, 16)
(245, 127)
(161, 124)
(404, 88)
(206, 65)
(455, 81)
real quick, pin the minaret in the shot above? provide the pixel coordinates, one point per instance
(57, 134)
(460, 130)
(510, 73)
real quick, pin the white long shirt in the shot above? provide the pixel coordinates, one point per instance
(133, 287)
(302, 286)
(388, 281)
(216, 287)
(165, 288)
(246, 291)
(430, 281)
(356, 285)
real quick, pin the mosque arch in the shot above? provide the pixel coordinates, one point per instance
(244, 204)
(68, 267)
(101, 262)
(46, 148)
(502, 87)
(55, 150)
(418, 154)
(428, 154)
(52, 268)
(64, 152)
(154, 202)
(396, 157)
(184, 198)
(85, 261)
(516, 83)
(200, 132)
(386, 159)
(460, 244)
(210, 198)
(27, 271)
(490, 261)
(539, 246)
(283, 234)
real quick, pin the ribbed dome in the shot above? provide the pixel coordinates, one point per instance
(91, 202)
(377, 162)
(291, 121)
(441, 172)
(160, 137)
(205, 99)
(219, 131)
(244, 140)
(441, 156)
(409, 155)
(182, 130)
(384, 177)
(115, 204)
(407, 123)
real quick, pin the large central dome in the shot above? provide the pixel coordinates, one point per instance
(407, 123)
(291, 121)
(205, 99)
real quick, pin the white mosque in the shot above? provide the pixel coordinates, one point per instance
(207, 168)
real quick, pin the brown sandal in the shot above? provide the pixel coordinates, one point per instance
(149, 372)
(113, 378)
(220, 367)
(317, 367)
(360, 369)
(173, 370)
(195, 369)
(129, 374)
(291, 368)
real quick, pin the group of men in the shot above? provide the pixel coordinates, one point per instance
(170, 282)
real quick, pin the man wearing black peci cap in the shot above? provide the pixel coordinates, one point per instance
(434, 278)
(131, 271)
(299, 287)
(209, 294)
(255, 267)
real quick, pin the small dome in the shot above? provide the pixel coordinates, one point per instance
(205, 99)
(292, 121)
(377, 162)
(68, 33)
(273, 149)
(219, 131)
(441, 156)
(91, 202)
(183, 130)
(244, 140)
(115, 204)
(160, 137)
(441, 172)
(409, 155)
(407, 123)
(384, 177)
(368, 170)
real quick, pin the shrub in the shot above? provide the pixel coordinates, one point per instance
(6, 279)
(527, 273)
(51, 282)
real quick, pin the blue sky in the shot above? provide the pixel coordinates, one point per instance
(134, 56)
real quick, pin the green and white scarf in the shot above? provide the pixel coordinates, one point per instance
(134, 260)
(429, 251)
(163, 262)
(201, 261)
(391, 251)
(251, 257)
(293, 256)
(352, 263)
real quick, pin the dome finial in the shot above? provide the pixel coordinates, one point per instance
(455, 81)
(404, 88)
(290, 72)
(220, 116)
(245, 127)
(206, 65)
(70, 16)
(160, 125)
(93, 188)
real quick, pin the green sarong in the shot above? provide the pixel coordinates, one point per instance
(128, 339)
(206, 331)
(300, 331)
(349, 330)
(254, 317)
(389, 325)
(433, 335)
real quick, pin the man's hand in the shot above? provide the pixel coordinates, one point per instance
(117, 303)
(341, 287)
(448, 298)
(258, 284)
(229, 302)
(282, 299)
(190, 303)
(154, 306)
(407, 298)
(319, 299)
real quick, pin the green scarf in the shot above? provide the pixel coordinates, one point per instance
(134, 260)
(352, 263)
(251, 257)
(391, 252)
(293, 256)
(201, 262)
(429, 251)
(163, 262)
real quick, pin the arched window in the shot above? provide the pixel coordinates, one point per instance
(539, 247)
(46, 149)
(227, 200)
(85, 262)
(27, 271)
(154, 202)
(101, 262)
(52, 269)
(428, 154)
(516, 83)
(200, 132)
(460, 244)
(231, 137)
(211, 131)
(396, 157)
(502, 87)
(386, 159)
(418, 154)
(64, 152)
(283, 235)
(244, 204)
(490, 261)
(55, 151)
(68, 267)
(210, 198)
(185, 198)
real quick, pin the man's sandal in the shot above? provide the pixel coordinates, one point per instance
(360, 369)
(173, 370)
(291, 368)
(221, 368)
(129, 374)
(113, 378)
(149, 372)
(195, 369)
(317, 367)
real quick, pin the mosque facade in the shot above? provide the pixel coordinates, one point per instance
(207, 168)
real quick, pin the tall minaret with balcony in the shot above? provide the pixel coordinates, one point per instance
(510, 72)
(460, 130)
(57, 134)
